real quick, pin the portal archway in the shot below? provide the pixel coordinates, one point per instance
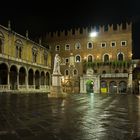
(13, 77)
(3, 74)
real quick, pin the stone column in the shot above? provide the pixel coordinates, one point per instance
(17, 80)
(34, 80)
(130, 80)
(8, 80)
(26, 80)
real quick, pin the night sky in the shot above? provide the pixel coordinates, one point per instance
(39, 17)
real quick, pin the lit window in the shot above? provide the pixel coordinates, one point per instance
(123, 43)
(78, 58)
(103, 44)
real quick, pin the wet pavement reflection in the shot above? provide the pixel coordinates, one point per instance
(78, 117)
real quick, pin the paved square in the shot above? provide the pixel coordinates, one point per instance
(78, 117)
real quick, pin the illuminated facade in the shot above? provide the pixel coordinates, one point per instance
(24, 64)
(101, 63)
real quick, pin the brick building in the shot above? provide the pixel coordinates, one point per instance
(99, 63)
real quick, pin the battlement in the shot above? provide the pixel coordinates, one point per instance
(116, 28)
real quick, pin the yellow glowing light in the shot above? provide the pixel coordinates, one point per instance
(93, 34)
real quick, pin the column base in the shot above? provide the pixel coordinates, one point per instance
(56, 92)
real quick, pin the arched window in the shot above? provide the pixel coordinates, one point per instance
(66, 72)
(19, 46)
(77, 46)
(78, 58)
(106, 58)
(89, 45)
(34, 54)
(1, 42)
(120, 57)
(90, 59)
(75, 72)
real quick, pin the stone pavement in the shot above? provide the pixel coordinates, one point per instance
(78, 117)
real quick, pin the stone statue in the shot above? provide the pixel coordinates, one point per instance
(56, 69)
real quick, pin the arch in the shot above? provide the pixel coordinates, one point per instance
(77, 46)
(66, 72)
(78, 58)
(103, 85)
(19, 42)
(42, 78)
(13, 77)
(136, 79)
(89, 86)
(22, 75)
(104, 72)
(1, 45)
(122, 87)
(120, 56)
(47, 78)
(37, 77)
(125, 71)
(90, 58)
(89, 45)
(1, 35)
(3, 74)
(30, 77)
(116, 71)
(106, 57)
(113, 87)
(75, 72)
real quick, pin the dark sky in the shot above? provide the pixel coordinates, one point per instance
(40, 17)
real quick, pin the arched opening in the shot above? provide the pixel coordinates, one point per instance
(89, 86)
(136, 80)
(42, 78)
(90, 59)
(106, 58)
(22, 75)
(120, 57)
(37, 77)
(13, 77)
(78, 58)
(47, 79)
(1, 46)
(112, 87)
(30, 77)
(3, 74)
(103, 87)
(122, 87)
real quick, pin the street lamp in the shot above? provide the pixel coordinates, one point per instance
(93, 34)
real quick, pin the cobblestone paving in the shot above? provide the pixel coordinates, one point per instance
(78, 117)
